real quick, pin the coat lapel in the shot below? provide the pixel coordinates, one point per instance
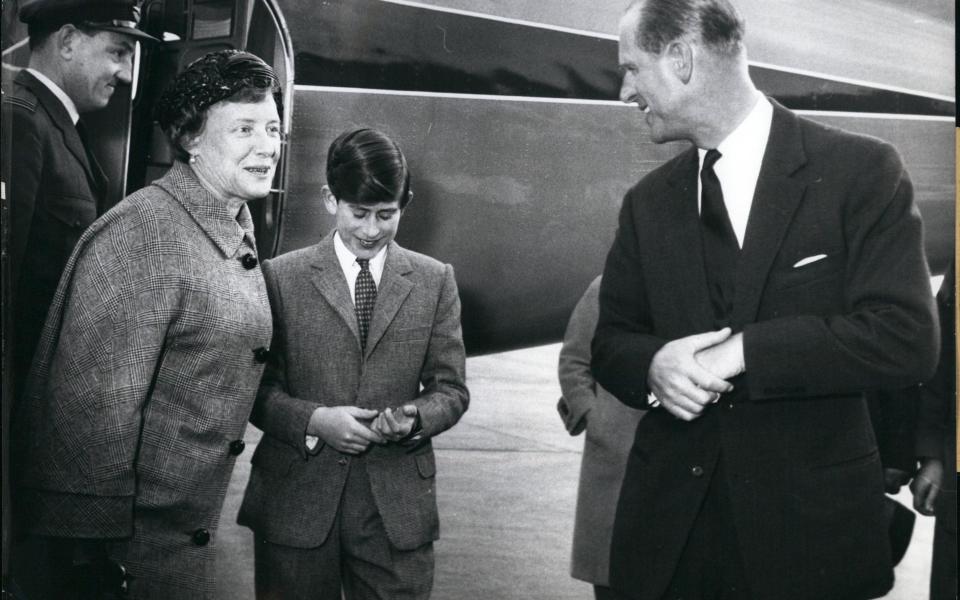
(778, 194)
(679, 245)
(61, 118)
(209, 212)
(394, 289)
(330, 282)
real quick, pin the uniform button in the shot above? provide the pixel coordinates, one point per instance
(261, 354)
(342, 461)
(728, 405)
(236, 447)
(696, 471)
(201, 537)
(248, 261)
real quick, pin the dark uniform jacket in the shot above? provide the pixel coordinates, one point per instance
(795, 438)
(54, 189)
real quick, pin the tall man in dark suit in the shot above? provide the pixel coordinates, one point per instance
(80, 51)
(758, 283)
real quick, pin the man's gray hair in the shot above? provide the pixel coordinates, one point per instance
(715, 23)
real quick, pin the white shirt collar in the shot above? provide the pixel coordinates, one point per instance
(351, 268)
(752, 133)
(59, 93)
(739, 166)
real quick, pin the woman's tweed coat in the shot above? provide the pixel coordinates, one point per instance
(143, 381)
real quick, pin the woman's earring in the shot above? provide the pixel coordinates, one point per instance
(193, 159)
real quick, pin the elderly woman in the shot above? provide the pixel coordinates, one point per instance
(151, 355)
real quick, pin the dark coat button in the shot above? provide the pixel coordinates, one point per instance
(248, 261)
(236, 447)
(201, 537)
(696, 471)
(261, 354)
(342, 461)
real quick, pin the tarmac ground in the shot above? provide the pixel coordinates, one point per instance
(506, 486)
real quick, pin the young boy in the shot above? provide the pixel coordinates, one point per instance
(367, 364)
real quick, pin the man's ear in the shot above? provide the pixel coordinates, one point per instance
(329, 200)
(66, 39)
(680, 56)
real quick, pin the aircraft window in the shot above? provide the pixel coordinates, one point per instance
(212, 19)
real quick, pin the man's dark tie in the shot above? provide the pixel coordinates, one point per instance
(720, 248)
(365, 296)
(82, 132)
(100, 179)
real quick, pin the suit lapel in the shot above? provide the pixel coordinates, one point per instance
(778, 194)
(393, 290)
(679, 246)
(61, 119)
(330, 282)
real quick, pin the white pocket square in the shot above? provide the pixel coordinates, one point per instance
(810, 259)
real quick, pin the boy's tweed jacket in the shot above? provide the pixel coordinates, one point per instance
(143, 382)
(414, 354)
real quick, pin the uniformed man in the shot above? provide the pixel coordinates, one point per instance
(80, 51)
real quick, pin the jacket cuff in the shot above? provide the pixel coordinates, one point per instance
(415, 435)
(311, 444)
(61, 514)
(573, 410)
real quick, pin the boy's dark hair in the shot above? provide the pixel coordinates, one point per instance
(364, 166)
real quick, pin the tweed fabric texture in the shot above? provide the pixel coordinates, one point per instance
(414, 354)
(144, 374)
(365, 297)
(357, 557)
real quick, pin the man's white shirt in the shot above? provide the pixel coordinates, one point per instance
(739, 166)
(60, 94)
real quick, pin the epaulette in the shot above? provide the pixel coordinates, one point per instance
(30, 105)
